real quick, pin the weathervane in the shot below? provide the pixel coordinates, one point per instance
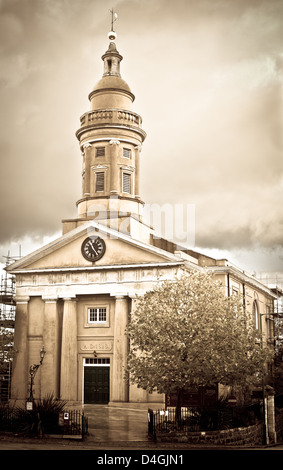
(112, 35)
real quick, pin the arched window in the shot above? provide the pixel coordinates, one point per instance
(256, 315)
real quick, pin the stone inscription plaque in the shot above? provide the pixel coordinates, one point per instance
(97, 346)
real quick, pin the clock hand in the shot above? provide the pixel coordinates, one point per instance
(95, 252)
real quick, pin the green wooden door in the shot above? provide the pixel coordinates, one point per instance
(96, 385)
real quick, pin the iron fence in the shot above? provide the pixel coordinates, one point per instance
(5, 385)
(72, 423)
(202, 419)
(8, 419)
(20, 421)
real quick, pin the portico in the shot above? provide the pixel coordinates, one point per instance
(80, 312)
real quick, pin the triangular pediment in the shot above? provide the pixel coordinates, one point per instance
(66, 251)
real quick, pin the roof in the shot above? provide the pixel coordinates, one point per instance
(111, 82)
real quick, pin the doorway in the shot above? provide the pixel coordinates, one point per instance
(96, 383)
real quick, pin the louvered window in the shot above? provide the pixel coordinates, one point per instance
(126, 153)
(126, 183)
(100, 151)
(99, 185)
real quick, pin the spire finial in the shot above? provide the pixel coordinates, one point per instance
(112, 35)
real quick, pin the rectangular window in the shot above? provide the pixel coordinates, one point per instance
(126, 153)
(97, 315)
(126, 183)
(100, 151)
(97, 361)
(99, 183)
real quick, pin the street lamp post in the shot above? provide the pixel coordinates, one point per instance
(32, 371)
(263, 386)
(265, 411)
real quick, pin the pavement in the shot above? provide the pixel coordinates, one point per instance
(116, 424)
(111, 428)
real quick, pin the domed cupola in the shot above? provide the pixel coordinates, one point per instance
(111, 138)
(111, 90)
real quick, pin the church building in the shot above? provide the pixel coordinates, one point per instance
(75, 295)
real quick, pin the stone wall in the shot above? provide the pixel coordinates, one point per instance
(248, 436)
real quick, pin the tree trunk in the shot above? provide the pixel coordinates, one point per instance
(178, 410)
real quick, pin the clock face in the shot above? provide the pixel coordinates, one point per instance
(93, 248)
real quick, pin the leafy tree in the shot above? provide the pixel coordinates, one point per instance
(43, 419)
(188, 333)
(278, 374)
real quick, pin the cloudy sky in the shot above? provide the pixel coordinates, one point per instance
(207, 76)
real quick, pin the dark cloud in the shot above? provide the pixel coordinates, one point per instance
(207, 76)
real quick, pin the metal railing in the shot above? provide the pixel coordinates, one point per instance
(165, 421)
(5, 386)
(72, 423)
(65, 424)
(202, 419)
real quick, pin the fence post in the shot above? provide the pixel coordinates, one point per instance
(151, 424)
(84, 426)
(271, 414)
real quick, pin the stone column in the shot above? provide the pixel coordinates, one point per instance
(114, 175)
(87, 150)
(136, 394)
(50, 366)
(68, 382)
(137, 171)
(20, 363)
(120, 386)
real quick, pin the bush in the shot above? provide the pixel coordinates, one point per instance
(42, 419)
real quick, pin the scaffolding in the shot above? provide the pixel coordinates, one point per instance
(275, 283)
(7, 325)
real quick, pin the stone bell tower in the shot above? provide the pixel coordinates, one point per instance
(110, 138)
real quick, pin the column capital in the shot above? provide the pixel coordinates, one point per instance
(119, 296)
(21, 299)
(49, 298)
(114, 142)
(69, 298)
(86, 145)
(135, 295)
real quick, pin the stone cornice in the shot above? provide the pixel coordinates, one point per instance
(132, 128)
(117, 196)
(111, 90)
(243, 277)
(167, 264)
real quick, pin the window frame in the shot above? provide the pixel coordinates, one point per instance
(99, 182)
(96, 311)
(88, 323)
(127, 153)
(129, 176)
(256, 315)
(97, 361)
(99, 149)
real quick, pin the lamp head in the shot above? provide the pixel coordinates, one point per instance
(42, 354)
